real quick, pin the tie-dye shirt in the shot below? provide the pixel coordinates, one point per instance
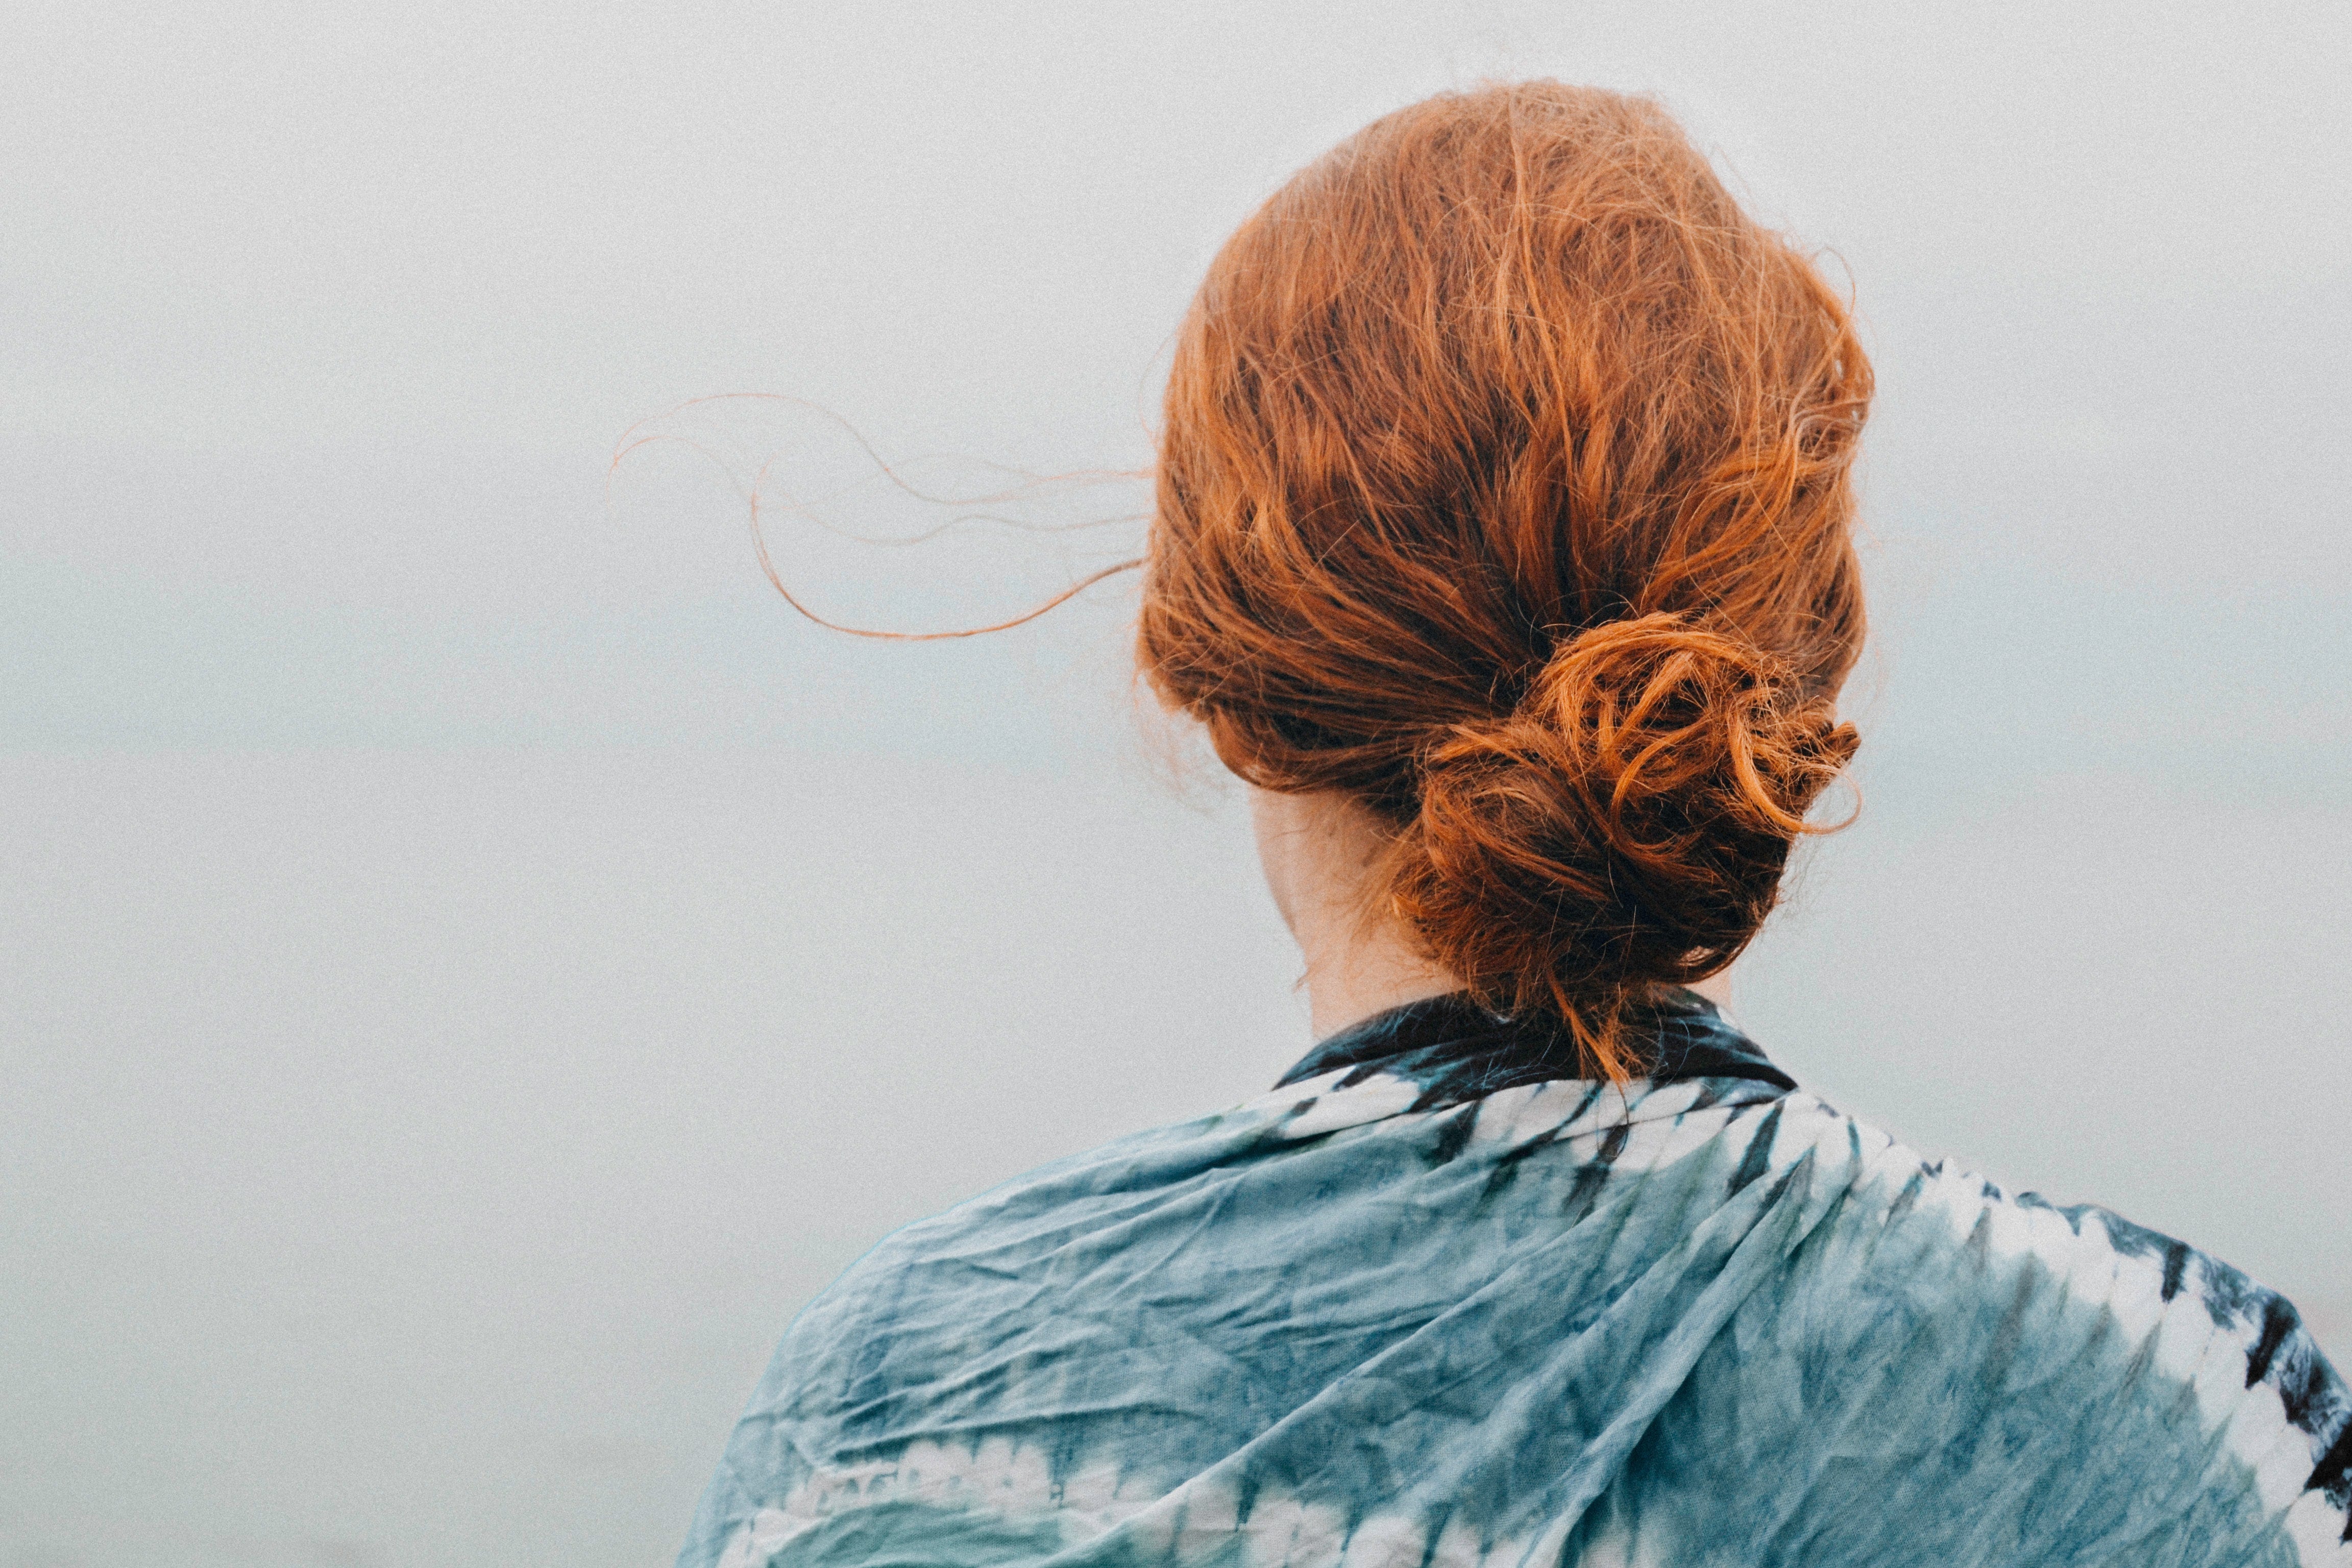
(1435, 1301)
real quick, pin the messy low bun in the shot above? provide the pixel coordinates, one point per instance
(1505, 488)
(1624, 827)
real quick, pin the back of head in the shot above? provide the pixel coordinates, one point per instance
(1503, 487)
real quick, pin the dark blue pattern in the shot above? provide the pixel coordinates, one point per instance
(1435, 1303)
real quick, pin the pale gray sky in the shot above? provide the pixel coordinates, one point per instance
(319, 324)
(475, 962)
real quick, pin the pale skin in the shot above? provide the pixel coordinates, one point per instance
(1319, 852)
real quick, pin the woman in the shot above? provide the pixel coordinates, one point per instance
(1503, 547)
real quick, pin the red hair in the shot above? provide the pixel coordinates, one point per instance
(1504, 488)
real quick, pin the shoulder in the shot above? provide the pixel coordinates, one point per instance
(2069, 1332)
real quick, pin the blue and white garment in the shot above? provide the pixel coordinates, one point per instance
(1435, 1302)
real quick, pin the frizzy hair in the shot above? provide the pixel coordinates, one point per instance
(1503, 487)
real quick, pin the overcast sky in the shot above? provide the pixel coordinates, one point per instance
(321, 327)
(472, 962)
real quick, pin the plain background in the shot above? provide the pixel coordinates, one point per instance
(472, 962)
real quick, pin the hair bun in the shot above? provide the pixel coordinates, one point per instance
(1623, 828)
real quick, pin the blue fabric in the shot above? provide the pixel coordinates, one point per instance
(1436, 1302)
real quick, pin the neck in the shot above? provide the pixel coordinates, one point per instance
(1358, 985)
(1322, 856)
